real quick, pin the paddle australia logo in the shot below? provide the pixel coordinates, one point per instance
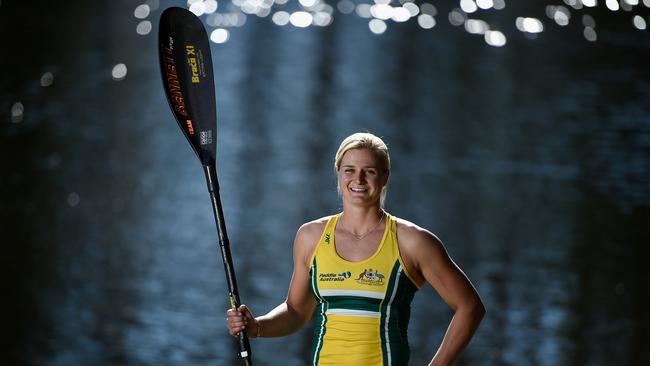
(327, 238)
(332, 276)
(370, 277)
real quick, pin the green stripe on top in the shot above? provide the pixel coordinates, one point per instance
(321, 319)
(390, 292)
(395, 313)
(353, 302)
(314, 284)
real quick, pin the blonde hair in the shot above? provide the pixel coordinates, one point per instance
(364, 140)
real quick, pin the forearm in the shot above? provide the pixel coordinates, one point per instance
(460, 331)
(281, 321)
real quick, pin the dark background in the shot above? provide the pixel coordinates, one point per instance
(530, 161)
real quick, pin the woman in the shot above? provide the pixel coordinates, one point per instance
(357, 272)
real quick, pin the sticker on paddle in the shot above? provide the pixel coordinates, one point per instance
(186, 65)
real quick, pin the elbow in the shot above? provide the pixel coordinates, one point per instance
(478, 309)
(299, 316)
(473, 309)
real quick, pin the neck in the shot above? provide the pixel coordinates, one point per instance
(360, 219)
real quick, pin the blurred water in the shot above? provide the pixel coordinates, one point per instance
(531, 162)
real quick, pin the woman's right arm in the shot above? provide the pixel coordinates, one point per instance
(299, 306)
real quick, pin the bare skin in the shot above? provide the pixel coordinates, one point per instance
(360, 182)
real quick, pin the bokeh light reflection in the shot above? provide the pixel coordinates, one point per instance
(363, 10)
(377, 26)
(345, 6)
(590, 34)
(430, 9)
(280, 18)
(612, 5)
(307, 3)
(144, 27)
(381, 11)
(73, 199)
(401, 14)
(484, 4)
(560, 14)
(210, 6)
(495, 38)
(588, 21)
(47, 79)
(426, 21)
(476, 26)
(198, 8)
(499, 4)
(529, 25)
(325, 8)
(322, 19)
(263, 12)
(574, 4)
(412, 8)
(219, 35)
(468, 6)
(301, 19)
(236, 19)
(119, 72)
(639, 22)
(457, 17)
(141, 11)
(625, 6)
(17, 112)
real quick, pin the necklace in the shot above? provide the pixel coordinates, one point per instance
(361, 236)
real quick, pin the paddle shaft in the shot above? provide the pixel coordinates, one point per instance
(224, 244)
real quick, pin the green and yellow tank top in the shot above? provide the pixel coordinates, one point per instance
(363, 307)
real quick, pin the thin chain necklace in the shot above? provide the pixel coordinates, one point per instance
(360, 237)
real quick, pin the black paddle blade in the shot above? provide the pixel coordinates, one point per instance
(186, 66)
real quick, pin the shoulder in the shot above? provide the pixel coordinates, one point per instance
(410, 232)
(312, 229)
(308, 236)
(415, 240)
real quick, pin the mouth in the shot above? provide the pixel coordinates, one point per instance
(358, 189)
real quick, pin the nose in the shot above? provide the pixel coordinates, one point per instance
(361, 176)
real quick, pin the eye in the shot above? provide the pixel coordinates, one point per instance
(348, 170)
(371, 172)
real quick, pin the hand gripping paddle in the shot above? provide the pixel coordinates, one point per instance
(186, 66)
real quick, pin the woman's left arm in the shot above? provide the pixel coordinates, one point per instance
(431, 262)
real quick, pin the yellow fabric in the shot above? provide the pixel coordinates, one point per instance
(351, 296)
(351, 340)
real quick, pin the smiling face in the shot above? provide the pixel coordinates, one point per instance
(361, 178)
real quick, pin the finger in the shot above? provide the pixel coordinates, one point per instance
(237, 322)
(246, 311)
(235, 327)
(232, 312)
(235, 317)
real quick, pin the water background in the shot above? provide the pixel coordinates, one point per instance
(530, 161)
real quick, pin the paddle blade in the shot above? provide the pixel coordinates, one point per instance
(186, 66)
